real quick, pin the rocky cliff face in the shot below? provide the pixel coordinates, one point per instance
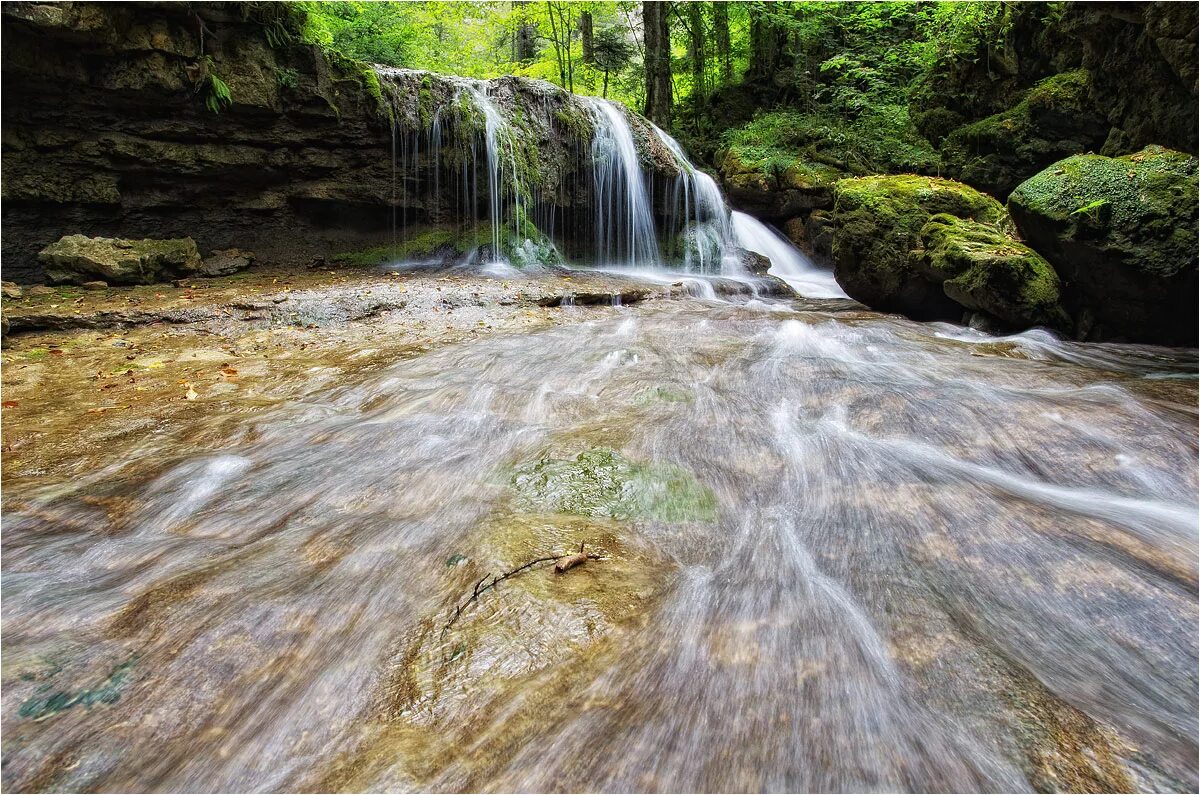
(108, 132)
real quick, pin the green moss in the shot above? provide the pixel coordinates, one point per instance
(575, 122)
(370, 82)
(1144, 203)
(913, 197)
(601, 483)
(423, 243)
(985, 269)
(1053, 120)
(878, 220)
(774, 143)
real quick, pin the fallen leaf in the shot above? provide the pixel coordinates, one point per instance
(10, 404)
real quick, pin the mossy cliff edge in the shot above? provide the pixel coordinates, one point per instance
(217, 121)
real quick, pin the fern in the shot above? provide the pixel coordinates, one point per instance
(218, 96)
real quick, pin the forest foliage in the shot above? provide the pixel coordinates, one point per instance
(853, 66)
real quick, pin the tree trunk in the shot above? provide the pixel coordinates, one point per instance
(721, 35)
(558, 54)
(525, 36)
(695, 14)
(585, 33)
(767, 42)
(658, 62)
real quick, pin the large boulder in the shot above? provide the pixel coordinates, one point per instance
(775, 188)
(76, 259)
(1122, 234)
(878, 220)
(982, 268)
(1055, 119)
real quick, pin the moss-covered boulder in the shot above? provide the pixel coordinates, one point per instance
(1055, 119)
(1122, 234)
(77, 258)
(773, 185)
(982, 268)
(878, 220)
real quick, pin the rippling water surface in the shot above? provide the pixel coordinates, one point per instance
(841, 552)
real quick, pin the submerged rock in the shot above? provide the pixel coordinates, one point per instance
(1122, 233)
(601, 483)
(76, 259)
(878, 220)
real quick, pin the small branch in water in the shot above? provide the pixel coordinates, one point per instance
(562, 563)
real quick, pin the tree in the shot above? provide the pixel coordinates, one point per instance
(696, 54)
(611, 53)
(585, 36)
(721, 39)
(525, 35)
(768, 39)
(657, 36)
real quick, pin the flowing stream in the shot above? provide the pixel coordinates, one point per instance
(839, 551)
(842, 551)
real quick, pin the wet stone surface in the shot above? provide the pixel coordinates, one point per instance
(836, 551)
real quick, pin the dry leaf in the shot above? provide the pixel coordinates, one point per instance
(9, 404)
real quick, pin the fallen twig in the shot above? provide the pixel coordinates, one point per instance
(562, 563)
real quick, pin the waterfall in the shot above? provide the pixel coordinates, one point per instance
(624, 220)
(501, 163)
(487, 137)
(787, 261)
(698, 219)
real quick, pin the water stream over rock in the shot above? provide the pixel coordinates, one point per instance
(840, 551)
(843, 552)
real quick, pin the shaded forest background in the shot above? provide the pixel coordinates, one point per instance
(862, 87)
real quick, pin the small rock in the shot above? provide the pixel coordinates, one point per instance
(226, 261)
(39, 289)
(96, 285)
(10, 290)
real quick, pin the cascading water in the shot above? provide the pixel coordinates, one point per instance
(474, 130)
(698, 218)
(504, 184)
(625, 233)
(787, 261)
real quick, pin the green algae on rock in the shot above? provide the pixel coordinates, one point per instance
(1122, 232)
(878, 220)
(984, 269)
(600, 482)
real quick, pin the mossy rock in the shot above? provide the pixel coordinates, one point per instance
(1055, 119)
(878, 220)
(75, 259)
(986, 270)
(601, 483)
(1122, 233)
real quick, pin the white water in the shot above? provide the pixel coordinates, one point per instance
(698, 214)
(625, 232)
(693, 230)
(787, 261)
